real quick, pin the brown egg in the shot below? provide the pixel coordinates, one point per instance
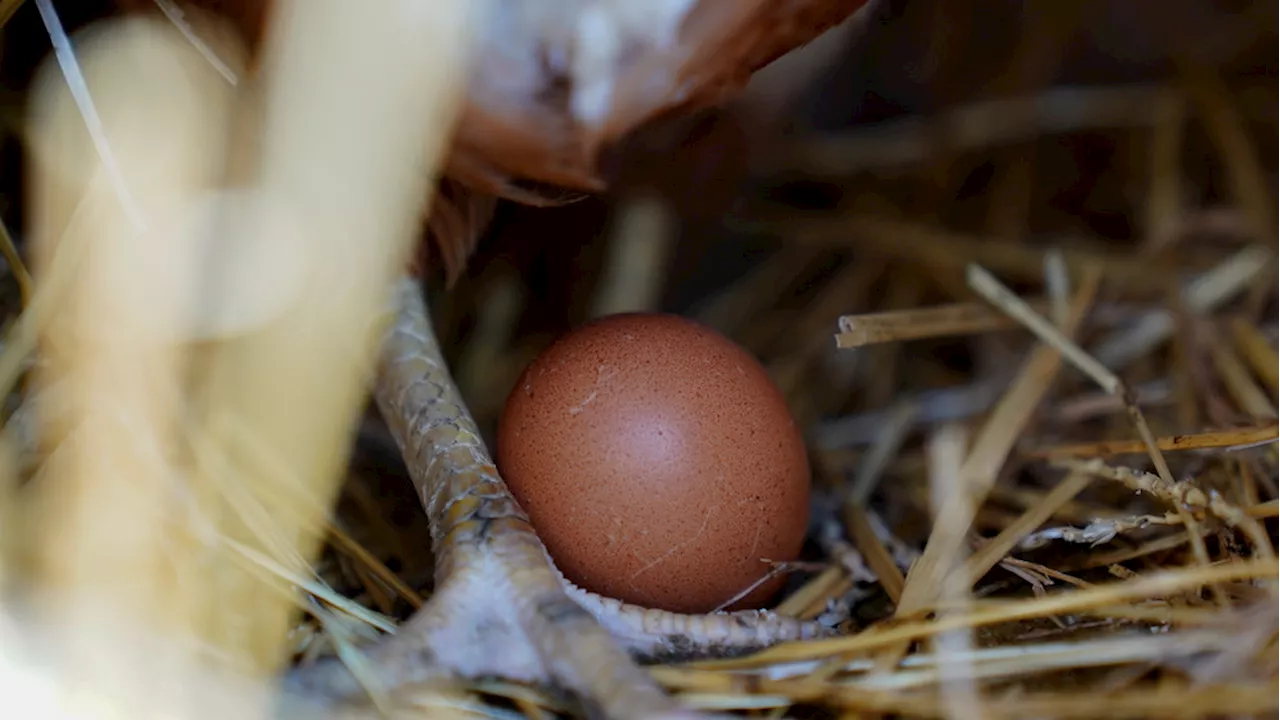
(658, 462)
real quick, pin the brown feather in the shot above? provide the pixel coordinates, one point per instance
(529, 131)
(458, 217)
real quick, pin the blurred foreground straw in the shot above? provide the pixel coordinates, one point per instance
(207, 343)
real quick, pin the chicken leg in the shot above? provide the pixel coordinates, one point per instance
(501, 608)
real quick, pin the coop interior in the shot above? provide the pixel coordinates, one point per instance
(1012, 266)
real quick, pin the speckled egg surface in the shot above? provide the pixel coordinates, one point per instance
(658, 462)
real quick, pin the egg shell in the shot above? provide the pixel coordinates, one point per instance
(658, 462)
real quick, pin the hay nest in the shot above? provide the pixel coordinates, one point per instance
(1029, 324)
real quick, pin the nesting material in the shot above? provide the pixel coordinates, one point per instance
(1045, 472)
